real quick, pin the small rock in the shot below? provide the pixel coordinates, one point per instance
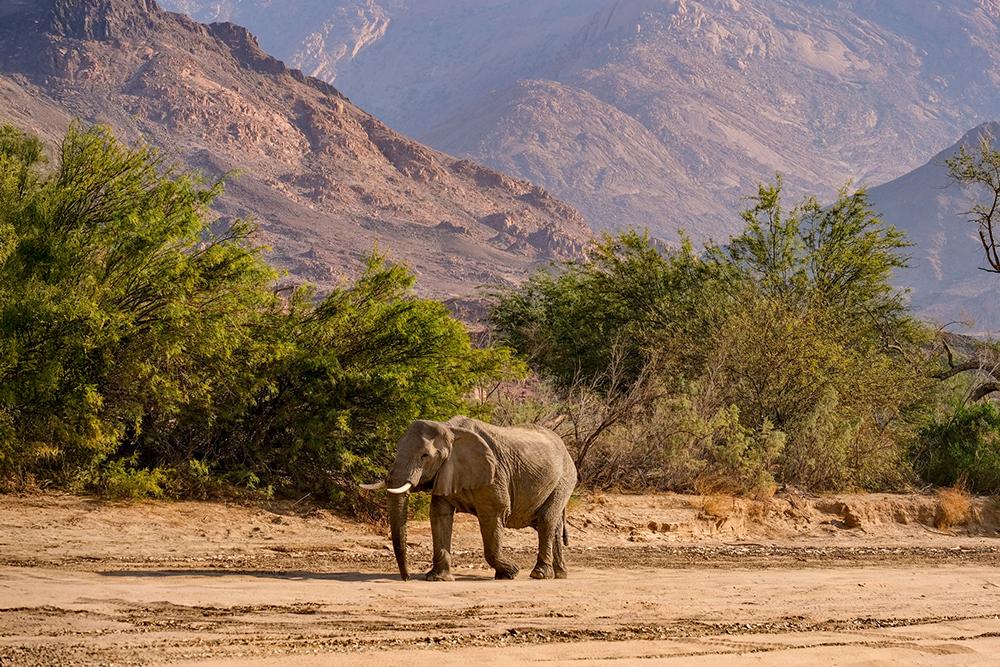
(851, 518)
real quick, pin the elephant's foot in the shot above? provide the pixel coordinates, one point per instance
(561, 573)
(507, 571)
(542, 572)
(439, 576)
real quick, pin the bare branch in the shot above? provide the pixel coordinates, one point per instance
(964, 367)
(983, 363)
(984, 390)
(951, 357)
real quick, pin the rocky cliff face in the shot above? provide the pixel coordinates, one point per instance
(663, 112)
(312, 35)
(325, 180)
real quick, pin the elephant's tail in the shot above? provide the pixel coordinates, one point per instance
(565, 535)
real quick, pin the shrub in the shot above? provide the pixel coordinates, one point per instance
(674, 448)
(790, 339)
(741, 455)
(954, 507)
(964, 448)
(119, 308)
(142, 342)
(574, 322)
(121, 480)
(818, 452)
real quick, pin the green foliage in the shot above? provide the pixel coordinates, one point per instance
(791, 330)
(353, 372)
(819, 447)
(676, 447)
(142, 348)
(963, 450)
(742, 456)
(840, 256)
(119, 307)
(121, 480)
(627, 296)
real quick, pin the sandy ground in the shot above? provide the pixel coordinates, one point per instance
(855, 580)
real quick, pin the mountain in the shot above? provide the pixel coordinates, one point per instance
(325, 180)
(659, 113)
(944, 278)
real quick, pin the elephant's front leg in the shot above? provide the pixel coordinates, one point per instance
(442, 519)
(492, 530)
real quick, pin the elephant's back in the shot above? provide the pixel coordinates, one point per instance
(518, 437)
(531, 444)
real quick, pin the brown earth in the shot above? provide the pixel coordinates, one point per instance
(326, 181)
(846, 580)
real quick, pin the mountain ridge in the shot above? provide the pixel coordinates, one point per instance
(325, 180)
(945, 283)
(729, 91)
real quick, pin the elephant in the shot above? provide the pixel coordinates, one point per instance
(511, 477)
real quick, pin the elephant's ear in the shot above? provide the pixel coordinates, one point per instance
(470, 465)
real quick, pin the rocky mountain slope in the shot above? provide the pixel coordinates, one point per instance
(656, 112)
(944, 277)
(325, 180)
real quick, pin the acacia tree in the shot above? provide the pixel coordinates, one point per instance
(840, 257)
(981, 168)
(629, 296)
(118, 305)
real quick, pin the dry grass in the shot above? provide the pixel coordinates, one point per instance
(721, 499)
(760, 507)
(598, 498)
(714, 485)
(719, 506)
(954, 508)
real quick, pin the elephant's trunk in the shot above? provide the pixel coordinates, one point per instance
(397, 521)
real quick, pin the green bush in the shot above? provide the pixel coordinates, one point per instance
(964, 449)
(122, 480)
(743, 457)
(627, 297)
(119, 309)
(140, 341)
(792, 325)
(674, 448)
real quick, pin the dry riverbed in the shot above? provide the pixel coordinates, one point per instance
(671, 579)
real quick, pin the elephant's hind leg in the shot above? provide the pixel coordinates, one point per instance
(551, 521)
(548, 522)
(543, 566)
(492, 530)
(442, 519)
(558, 559)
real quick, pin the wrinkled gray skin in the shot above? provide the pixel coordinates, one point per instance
(511, 477)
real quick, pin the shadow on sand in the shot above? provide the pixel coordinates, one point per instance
(287, 575)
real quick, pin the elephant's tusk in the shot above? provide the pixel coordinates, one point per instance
(373, 486)
(401, 489)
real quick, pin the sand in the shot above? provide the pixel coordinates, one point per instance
(855, 580)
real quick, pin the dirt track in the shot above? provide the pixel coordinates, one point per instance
(657, 578)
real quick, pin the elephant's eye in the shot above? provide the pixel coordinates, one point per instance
(424, 456)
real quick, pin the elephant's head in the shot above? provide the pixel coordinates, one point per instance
(453, 459)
